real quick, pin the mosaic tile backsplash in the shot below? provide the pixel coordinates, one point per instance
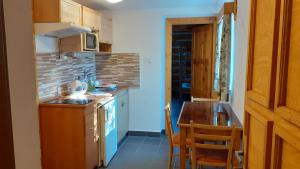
(54, 74)
(120, 68)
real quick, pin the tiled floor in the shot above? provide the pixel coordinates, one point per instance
(138, 152)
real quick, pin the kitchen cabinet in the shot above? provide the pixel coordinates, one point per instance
(48, 11)
(91, 18)
(122, 114)
(106, 27)
(69, 136)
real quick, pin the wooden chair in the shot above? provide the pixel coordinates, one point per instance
(174, 139)
(194, 99)
(212, 145)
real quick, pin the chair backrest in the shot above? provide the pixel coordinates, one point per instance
(194, 99)
(206, 137)
(169, 128)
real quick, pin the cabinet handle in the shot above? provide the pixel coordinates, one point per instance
(123, 104)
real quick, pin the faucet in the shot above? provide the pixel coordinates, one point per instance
(85, 75)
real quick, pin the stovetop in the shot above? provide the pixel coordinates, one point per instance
(70, 101)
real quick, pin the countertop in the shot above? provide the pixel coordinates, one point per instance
(97, 100)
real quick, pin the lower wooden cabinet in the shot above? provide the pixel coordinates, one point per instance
(122, 114)
(68, 136)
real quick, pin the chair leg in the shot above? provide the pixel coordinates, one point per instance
(194, 162)
(170, 158)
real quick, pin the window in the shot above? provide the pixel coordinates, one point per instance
(218, 58)
(232, 54)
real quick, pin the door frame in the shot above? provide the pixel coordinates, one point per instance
(170, 22)
(7, 159)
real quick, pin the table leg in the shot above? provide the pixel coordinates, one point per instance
(182, 147)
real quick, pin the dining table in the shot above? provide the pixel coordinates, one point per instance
(206, 113)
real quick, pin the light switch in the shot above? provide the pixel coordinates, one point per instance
(149, 59)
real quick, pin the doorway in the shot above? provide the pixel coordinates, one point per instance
(189, 56)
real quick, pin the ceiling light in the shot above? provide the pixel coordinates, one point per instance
(114, 1)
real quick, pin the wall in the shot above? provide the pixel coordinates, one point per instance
(21, 67)
(143, 32)
(241, 49)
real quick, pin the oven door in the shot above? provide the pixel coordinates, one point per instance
(90, 42)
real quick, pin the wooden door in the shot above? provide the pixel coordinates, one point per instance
(202, 54)
(272, 107)
(70, 11)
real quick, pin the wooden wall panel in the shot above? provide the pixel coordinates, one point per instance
(262, 51)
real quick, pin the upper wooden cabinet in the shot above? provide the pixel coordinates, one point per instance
(106, 35)
(47, 11)
(91, 18)
(70, 12)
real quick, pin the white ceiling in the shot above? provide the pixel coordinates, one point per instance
(147, 4)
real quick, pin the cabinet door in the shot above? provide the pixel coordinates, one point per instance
(91, 137)
(286, 137)
(261, 83)
(90, 18)
(286, 147)
(123, 116)
(258, 139)
(70, 12)
(106, 35)
(288, 83)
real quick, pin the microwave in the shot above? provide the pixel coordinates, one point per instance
(79, 43)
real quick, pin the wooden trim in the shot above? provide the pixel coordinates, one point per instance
(276, 152)
(168, 51)
(284, 52)
(192, 20)
(228, 8)
(251, 46)
(7, 159)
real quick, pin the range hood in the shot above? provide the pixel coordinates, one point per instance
(59, 30)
